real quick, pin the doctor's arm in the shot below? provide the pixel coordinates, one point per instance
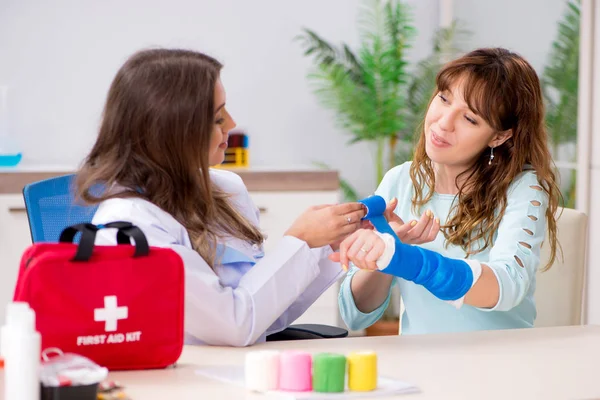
(330, 273)
(220, 315)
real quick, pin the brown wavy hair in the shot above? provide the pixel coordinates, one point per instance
(154, 144)
(505, 91)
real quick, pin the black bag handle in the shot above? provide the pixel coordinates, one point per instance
(68, 234)
(125, 232)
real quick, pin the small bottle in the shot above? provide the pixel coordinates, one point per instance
(21, 348)
(11, 309)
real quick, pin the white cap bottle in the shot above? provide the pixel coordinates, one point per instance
(11, 309)
(21, 348)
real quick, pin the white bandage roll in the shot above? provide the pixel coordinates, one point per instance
(262, 370)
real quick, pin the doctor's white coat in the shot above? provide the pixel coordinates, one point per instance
(248, 294)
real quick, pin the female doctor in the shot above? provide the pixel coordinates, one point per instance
(165, 122)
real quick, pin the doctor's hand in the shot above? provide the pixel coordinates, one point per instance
(413, 232)
(325, 224)
(363, 248)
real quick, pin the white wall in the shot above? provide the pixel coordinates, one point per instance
(524, 26)
(58, 58)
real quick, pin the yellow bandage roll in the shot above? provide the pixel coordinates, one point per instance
(362, 371)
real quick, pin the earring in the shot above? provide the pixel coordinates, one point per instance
(491, 155)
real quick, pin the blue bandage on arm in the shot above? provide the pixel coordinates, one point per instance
(446, 278)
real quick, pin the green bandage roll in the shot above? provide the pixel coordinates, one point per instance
(329, 373)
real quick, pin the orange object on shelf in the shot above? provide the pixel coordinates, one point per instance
(236, 157)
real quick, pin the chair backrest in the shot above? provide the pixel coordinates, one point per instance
(559, 291)
(51, 207)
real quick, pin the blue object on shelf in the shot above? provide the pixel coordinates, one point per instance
(10, 160)
(10, 150)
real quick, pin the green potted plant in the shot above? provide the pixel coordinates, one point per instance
(374, 95)
(367, 88)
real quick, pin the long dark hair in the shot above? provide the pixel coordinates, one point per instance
(154, 143)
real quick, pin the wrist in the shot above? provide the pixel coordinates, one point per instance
(388, 253)
(298, 234)
(406, 261)
(294, 233)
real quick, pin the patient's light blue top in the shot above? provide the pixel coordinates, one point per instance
(514, 259)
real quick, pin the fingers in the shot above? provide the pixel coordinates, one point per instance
(349, 208)
(423, 231)
(349, 222)
(354, 251)
(335, 257)
(390, 207)
(362, 245)
(401, 230)
(374, 254)
(356, 216)
(340, 230)
(423, 225)
(389, 213)
(347, 229)
(433, 232)
(365, 250)
(344, 246)
(395, 219)
(321, 206)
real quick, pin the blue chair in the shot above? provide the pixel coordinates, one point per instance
(51, 207)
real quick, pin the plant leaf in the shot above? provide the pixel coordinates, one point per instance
(560, 79)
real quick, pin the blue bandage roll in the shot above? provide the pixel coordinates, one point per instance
(375, 209)
(446, 278)
(375, 206)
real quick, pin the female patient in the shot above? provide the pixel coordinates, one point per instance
(165, 122)
(482, 166)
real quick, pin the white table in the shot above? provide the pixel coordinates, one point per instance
(540, 363)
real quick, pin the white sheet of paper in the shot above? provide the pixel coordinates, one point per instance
(234, 374)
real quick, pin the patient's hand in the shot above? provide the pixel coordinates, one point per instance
(414, 232)
(363, 248)
(364, 224)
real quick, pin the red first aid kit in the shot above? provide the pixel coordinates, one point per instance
(121, 306)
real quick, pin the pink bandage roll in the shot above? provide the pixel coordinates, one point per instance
(295, 371)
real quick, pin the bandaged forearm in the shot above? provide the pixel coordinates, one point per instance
(444, 277)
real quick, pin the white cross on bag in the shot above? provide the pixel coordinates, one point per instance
(110, 314)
